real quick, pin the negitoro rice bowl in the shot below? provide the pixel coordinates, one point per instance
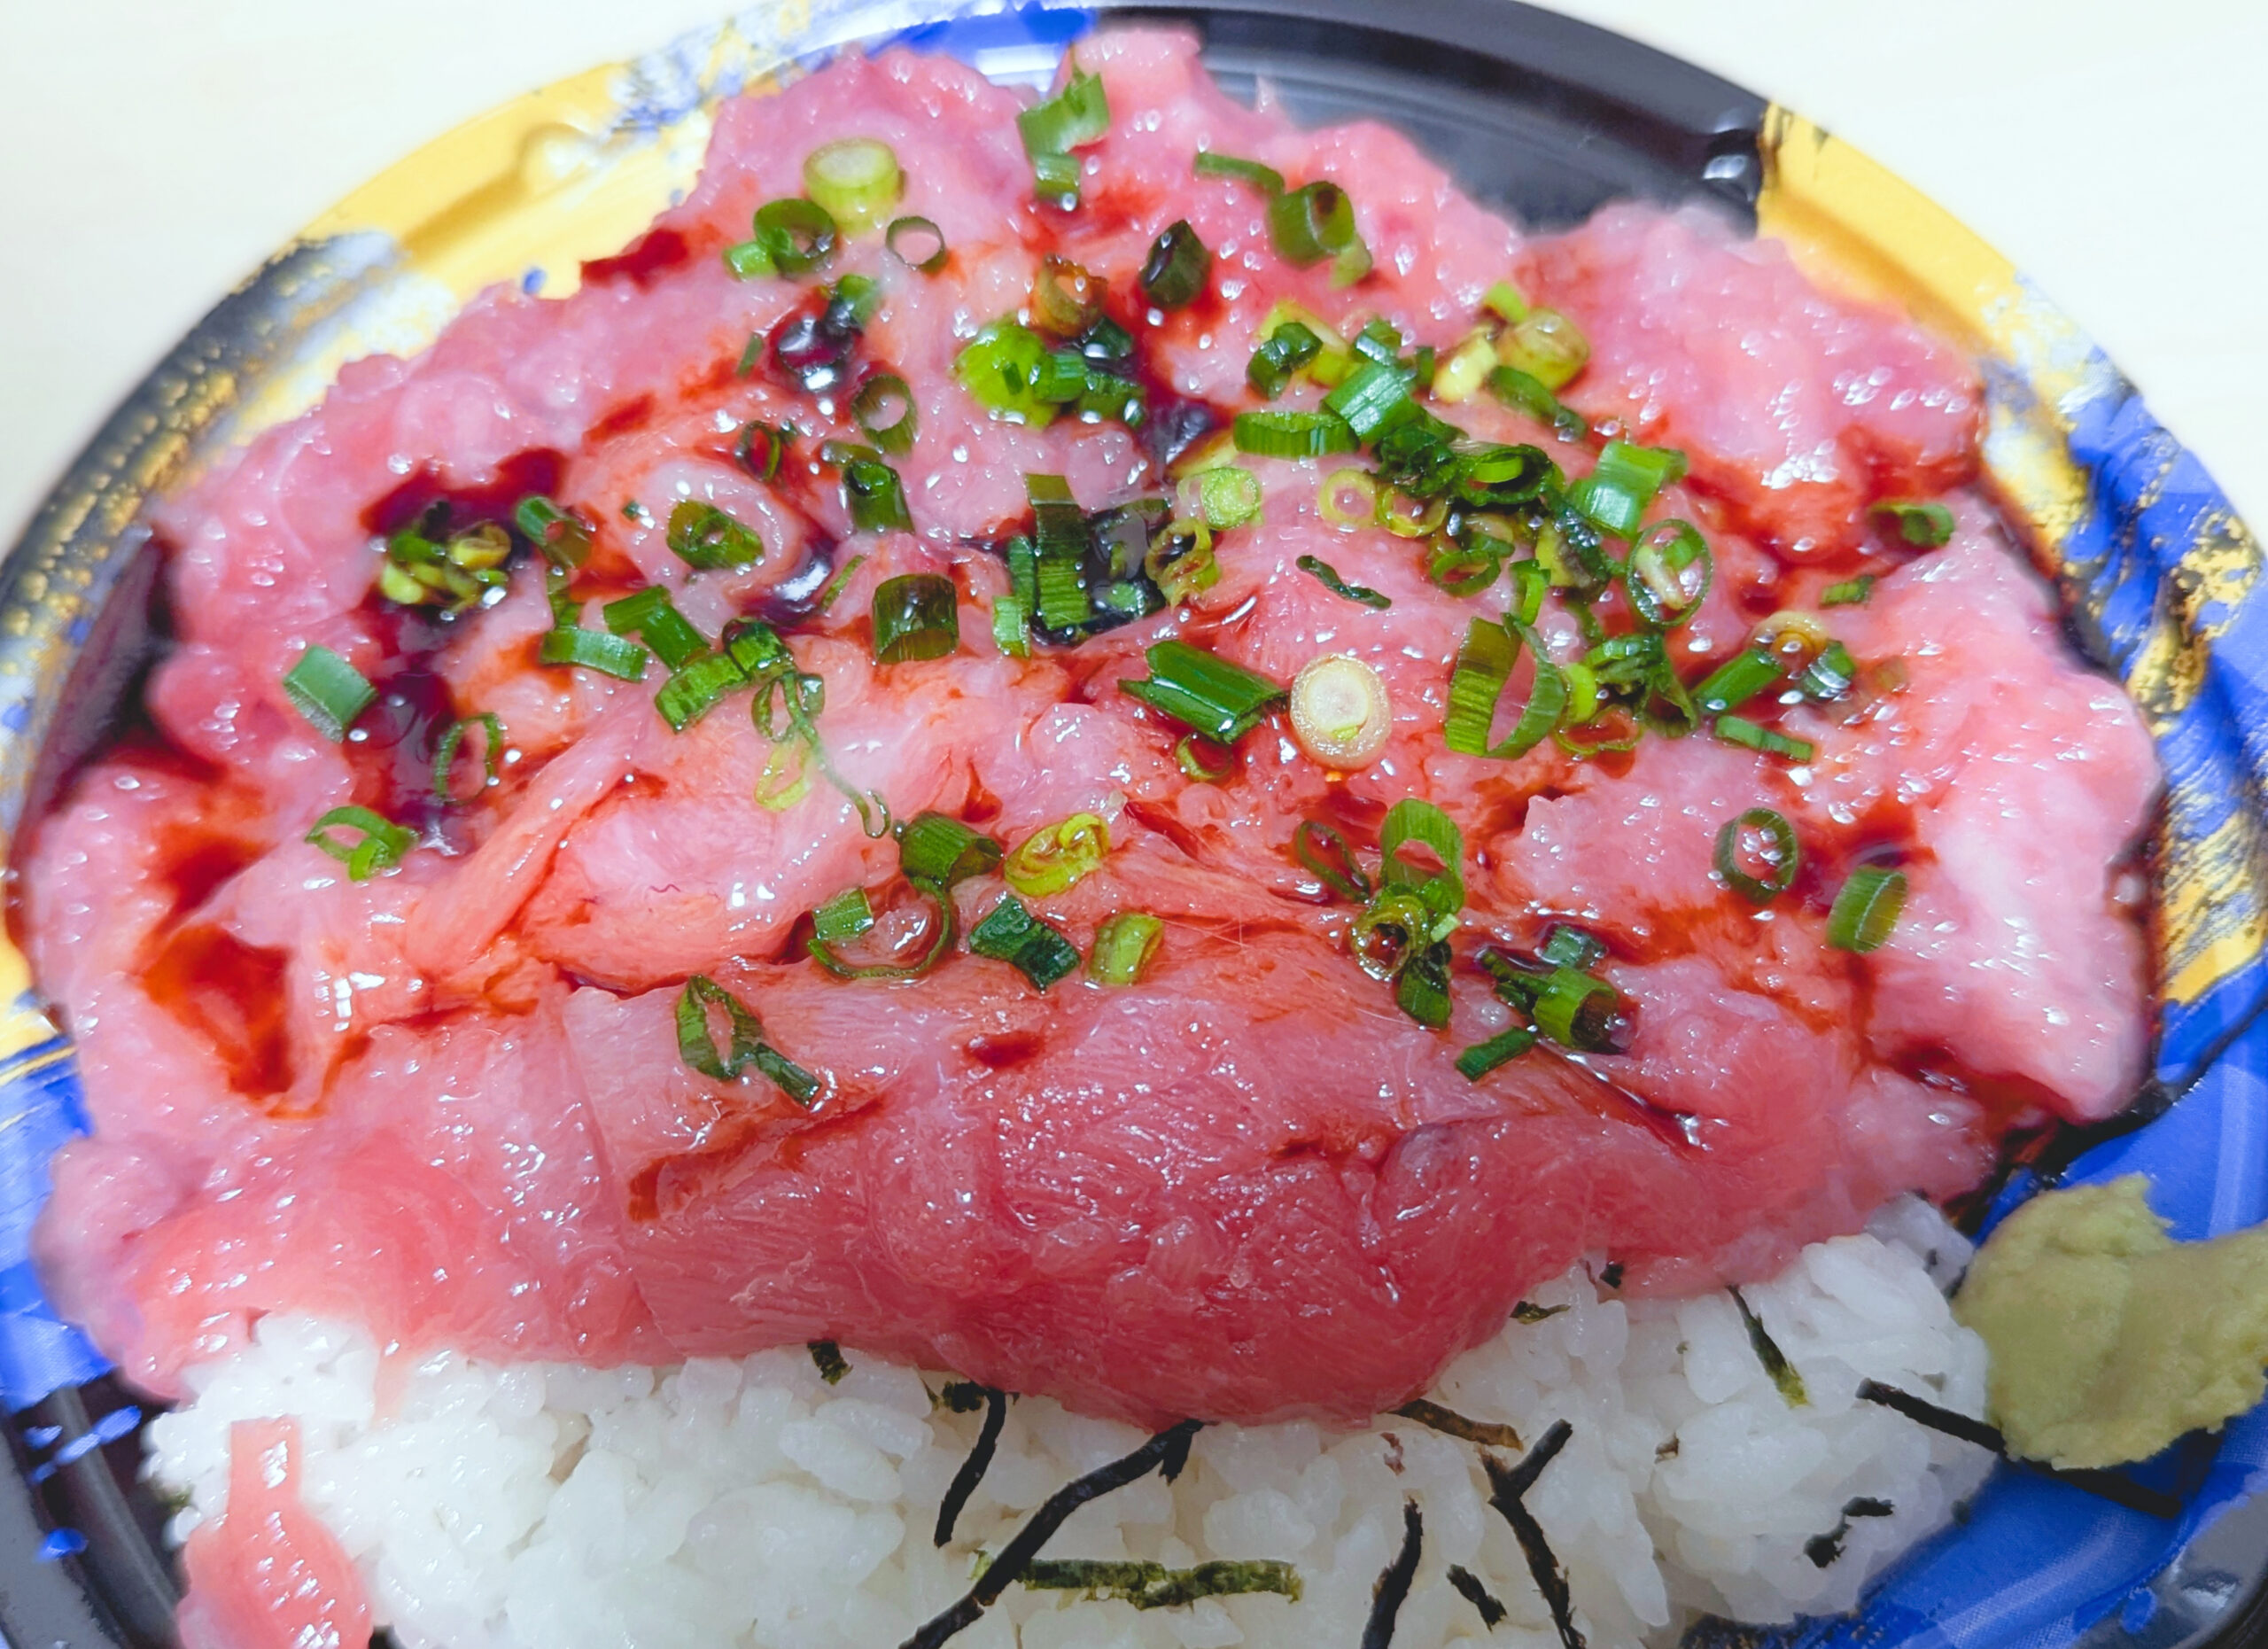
(1137, 883)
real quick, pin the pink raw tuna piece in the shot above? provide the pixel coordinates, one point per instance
(268, 1575)
(1799, 408)
(448, 1101)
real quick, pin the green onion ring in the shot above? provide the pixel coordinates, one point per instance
(1783, 855)
(904, 228)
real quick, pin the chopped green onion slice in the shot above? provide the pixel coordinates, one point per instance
(1010, 933)
(1668, 574)
(1312, 222)
(593, 649)
(1393, 926)
(1125, 946)
(846, 916)
(1175, 271)
(1484, 665)
(444, 754)
(1203, 761)
(1776, 851)
(1501, 1049)
(1057, 856)
(1849, 593)
(1421, 989)
(1578, 1010)
(697, 1047)
(1292, 346)
(1527, 393)
(1506, 302)
(917, 244)
(1009, 370)
(1327, 575)
(328, 691)
(1566, 945)
(1266, 179)
(1379, 340)
(1372, 395)
(1461, 569)
(1066, 299)
(1226, 496)
(1204, 691)
(1737, 680)
(852, 302)
(705, 538)
(1865, 909)
(1925, 527)
(1063, 588)
(872, 492)
(938, 850)
(651, 615)
(1829, 675)
(1740, 730)
(1413, 822)
(856, 181)
(1465, 369)
(785, 780)
(1547, 346)
(563, 536)
(1012, 626)
(692, 692)
(877, 397)
(1348, 498)
(378, 845)
(1407, 516)
(761, 448)
(836, 586)
(1614, 496)
(1292, 434)
(1322, 850)
(798, 235)
(1056, 177)
(1612, 508)
(749, 260)
(916, 615)
(1529, 587)
(1058, 525)
(1079, 113)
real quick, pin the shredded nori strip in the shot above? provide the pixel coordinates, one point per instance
(1612, 1276)
(1506, 1486)
(827, 1357)
(1148, 1585)
(1469, 1587)
(2111, 1486)
(979, 1458)
(1493, 1434)
(962, 1396)
(1930, 1414)
(1393, 1586)
(1823, 1549)
(1528, 1311)
(1166, 1453)
(1768, 1353)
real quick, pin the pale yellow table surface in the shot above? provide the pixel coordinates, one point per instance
(154, 151)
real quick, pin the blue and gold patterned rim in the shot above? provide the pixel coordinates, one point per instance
(2158, 574)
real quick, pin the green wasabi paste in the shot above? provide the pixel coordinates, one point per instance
(2108, 1339)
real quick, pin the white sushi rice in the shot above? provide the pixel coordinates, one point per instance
(749, 1503)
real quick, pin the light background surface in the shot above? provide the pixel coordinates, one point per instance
(153, 152)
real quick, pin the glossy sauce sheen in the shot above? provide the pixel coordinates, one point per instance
(448, 1101)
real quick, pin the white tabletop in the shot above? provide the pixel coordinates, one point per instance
(153, 152)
